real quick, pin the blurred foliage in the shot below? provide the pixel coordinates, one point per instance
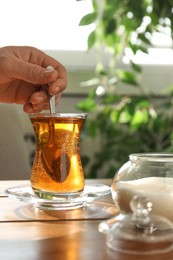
(125, 123)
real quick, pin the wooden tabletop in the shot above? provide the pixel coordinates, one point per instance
(29, 233)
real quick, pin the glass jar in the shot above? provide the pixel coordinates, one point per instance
(148, 176)
(143, 190)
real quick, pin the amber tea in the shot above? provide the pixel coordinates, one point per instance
(57, 167)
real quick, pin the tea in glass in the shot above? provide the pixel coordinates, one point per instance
(57, 169)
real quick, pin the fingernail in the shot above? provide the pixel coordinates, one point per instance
(49, 69)
(57, 89)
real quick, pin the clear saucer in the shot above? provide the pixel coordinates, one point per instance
(91, 192)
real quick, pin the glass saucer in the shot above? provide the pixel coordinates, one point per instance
(91, 192)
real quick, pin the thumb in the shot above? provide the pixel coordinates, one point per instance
(33, 73)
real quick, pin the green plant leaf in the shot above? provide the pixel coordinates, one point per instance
(127, 77)
(88, 105)
(114, 116)
(140, 117)
(154, 18)
(125, 117)
(91, 39)
(92, 128)
(100, 69)
(136, 47)
(110, 26)
(113, 43)
(143, 38)
(88, 19)
(136, 67)
(143, 49)
(111, 99)
(89, 83)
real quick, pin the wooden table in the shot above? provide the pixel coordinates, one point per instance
(29, 233)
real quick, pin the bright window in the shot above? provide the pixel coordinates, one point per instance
(53, 25)
(45, 24)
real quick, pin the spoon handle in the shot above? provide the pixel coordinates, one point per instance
(51, 98)
(52, 104)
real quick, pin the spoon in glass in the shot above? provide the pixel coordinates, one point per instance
(51, 98)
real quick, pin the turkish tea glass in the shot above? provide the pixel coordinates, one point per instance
(57, 170)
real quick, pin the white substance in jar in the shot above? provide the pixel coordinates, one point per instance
(158, 190)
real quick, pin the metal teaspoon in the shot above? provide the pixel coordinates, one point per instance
(51, 98)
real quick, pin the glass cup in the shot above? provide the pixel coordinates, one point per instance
(57, 171)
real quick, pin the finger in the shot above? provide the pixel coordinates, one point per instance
(57, 86)
(32, 73)
(60, 83)
(62, 76)
(40, 107)
(39, 97)
(30, 108)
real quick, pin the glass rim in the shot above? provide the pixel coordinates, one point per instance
(59, 115)
(154, 157)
